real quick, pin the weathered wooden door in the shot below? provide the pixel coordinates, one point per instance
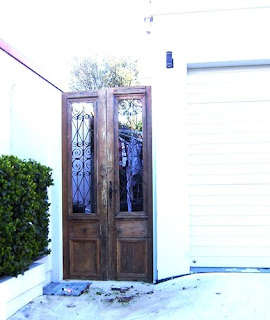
(107, 184)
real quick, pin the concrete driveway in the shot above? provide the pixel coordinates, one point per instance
(212, 296)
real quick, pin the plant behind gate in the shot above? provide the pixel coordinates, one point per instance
(24, 216)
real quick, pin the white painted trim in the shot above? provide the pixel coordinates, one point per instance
(8, 49)
(15, 293)
(171, 240)
(155, 270)
(178, 12)
(173, 7)
(235, 63)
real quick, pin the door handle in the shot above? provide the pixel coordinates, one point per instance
(111, 193)
(101, 231)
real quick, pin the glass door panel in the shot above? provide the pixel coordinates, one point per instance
(83, 191)
(130, 124)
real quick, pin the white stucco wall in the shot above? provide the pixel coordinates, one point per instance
(31, 128)
(231, 36)
(175, 6)
(5, 101)
(215, 36)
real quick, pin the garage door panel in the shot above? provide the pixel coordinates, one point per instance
(230, 231)
(226, 137)
(230, 179)
(243, 168)
(227, 117)
(241, 190)
(228, 85)
(221, 96)
(230, 220)
(228, 159)
(240, 148)
(222, 241)
(221, 127)
(225, 76)
(219, 131)
(226, 108)
(230, 262)
(230, 210)
(227, 113)
(230, 73)
(230, 251)
(233, 200)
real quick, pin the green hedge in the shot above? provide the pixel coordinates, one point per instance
(24, 216)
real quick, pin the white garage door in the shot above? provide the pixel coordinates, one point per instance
(228, 117)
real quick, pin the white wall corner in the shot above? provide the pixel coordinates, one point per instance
(172, 211)
(17, 292)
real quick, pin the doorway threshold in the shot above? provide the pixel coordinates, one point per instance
(228, 269)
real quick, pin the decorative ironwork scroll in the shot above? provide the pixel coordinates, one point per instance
(130, 155)
(83, 157)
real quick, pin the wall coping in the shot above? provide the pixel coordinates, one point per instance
(12, 52)
(15, 293)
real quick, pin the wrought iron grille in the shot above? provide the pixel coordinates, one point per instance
(130, 123)
(83, 157)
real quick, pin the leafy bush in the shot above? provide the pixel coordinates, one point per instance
(24, 216)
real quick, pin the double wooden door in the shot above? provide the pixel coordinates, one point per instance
(107, 184)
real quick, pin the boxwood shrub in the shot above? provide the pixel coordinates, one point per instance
(24, 216)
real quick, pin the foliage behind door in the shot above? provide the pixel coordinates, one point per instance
(107, 184)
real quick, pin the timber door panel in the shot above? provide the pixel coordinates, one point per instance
(107, 184)
(130, 211)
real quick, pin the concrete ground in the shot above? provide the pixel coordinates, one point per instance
(212, 296)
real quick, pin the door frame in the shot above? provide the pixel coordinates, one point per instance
(109, 97)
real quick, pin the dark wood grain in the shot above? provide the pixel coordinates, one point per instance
(108, 244)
